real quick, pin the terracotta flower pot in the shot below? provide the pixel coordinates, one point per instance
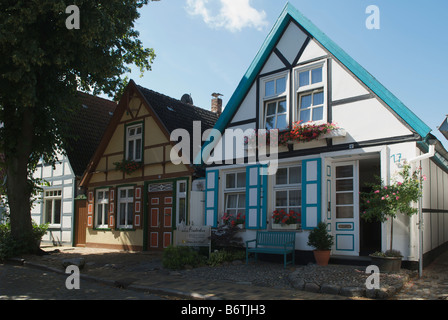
(322, 257)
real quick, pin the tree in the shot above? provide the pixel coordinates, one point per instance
(44, 63)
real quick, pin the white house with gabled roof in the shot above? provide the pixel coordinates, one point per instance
(300, 75)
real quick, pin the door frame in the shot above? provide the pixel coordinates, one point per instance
(337, 231)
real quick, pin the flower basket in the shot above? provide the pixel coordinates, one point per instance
(128, 166)
(280, 226)
(235, 221)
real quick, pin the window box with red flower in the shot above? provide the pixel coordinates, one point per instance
(286, 221)
(233, 221)
(128, 166)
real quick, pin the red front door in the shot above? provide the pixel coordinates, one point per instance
(160, 219)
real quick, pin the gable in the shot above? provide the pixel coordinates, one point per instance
(278, 50)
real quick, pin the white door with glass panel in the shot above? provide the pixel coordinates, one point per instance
(345, 208)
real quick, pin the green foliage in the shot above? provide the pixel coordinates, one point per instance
(177, 257)
(218, 257)
(388, 253)
(43, 64)
(319, 237)
(10, 247)
(386, 201)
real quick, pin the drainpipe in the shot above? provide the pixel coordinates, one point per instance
(431, 153)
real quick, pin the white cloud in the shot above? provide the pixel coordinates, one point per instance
(233, 15)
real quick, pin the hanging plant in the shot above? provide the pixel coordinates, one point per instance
(128, 166)
(305, 132)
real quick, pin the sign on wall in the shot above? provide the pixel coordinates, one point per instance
(192, 236)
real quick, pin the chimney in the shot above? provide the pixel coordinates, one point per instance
(217, 103)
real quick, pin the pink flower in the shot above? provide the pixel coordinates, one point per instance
(424, 178)
(397, 198)
(368, 201)
(399, 183)
(377, 191)
(382, 198)
(385, 188)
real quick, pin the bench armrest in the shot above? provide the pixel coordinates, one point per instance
(247, 242)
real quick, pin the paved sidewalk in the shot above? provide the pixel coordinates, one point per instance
(143, 271)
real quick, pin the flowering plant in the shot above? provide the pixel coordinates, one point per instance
(386, 201)
(281, 217)
(232, 220)
(127, 166)
(305, 132)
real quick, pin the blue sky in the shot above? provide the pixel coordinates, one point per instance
(206, 46)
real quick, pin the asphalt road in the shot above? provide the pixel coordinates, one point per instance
(25, 283)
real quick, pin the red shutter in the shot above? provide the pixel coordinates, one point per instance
(112, 209)
(90, 209)
(138, 210)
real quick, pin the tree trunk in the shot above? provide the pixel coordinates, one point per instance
(17, 154)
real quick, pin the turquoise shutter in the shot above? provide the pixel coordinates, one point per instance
(256, 197)
(311, 193)
(211, 198)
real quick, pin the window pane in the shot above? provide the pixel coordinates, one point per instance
(130, 216)
(130, 193)
(344, 172)
(318, 99)
(344, 212)
(57, 211)
(281, 176)
(305, 115)
(281, 85)
(241, 179)
(131, 131)
(106, 195)
(281, 199)
(100, 195)
(344, 198)
(182, 210)
(230, 180)
(344, 185)
(318, 114)
(99, 214)
(272, 107)
(270, 123)
(131, 150)
(182, 187)
(281, 122)
(232, 201)
(295, 175)
(122, 213)
(48, 209)
(241, 201)
(295, 198)
(305, 101)
(281, 107)
(304, 78)
(139, 130)
(316, 75)
(269, 88)
(138, 149)
(123, 193)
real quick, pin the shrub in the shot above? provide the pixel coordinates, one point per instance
(220, 256)
(319, 238)
(178, 257)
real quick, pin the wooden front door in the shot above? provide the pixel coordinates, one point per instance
(160, 209)
(81, 223)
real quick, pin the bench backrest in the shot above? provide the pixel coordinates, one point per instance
(275, 238)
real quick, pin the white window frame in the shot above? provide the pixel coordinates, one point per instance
(127, 200)
(181, 195)
(104, 203)
(50, 196)
(134, 138)
(286, 187)
(311, 88)
(236, 190)
(276, 97)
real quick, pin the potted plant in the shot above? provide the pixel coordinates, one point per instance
(283, 220)
(237, 221)
(321, 240)
(384, 202)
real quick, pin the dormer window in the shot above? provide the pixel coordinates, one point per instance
(134, 140)
(310, 88)
(274, 95)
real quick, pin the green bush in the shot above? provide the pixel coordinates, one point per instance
(220, 256)
(10, 247)
(178, 257)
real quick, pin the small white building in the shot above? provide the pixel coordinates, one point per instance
(299, 74)
(56, 204)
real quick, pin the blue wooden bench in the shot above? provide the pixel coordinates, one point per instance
(273, 242)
